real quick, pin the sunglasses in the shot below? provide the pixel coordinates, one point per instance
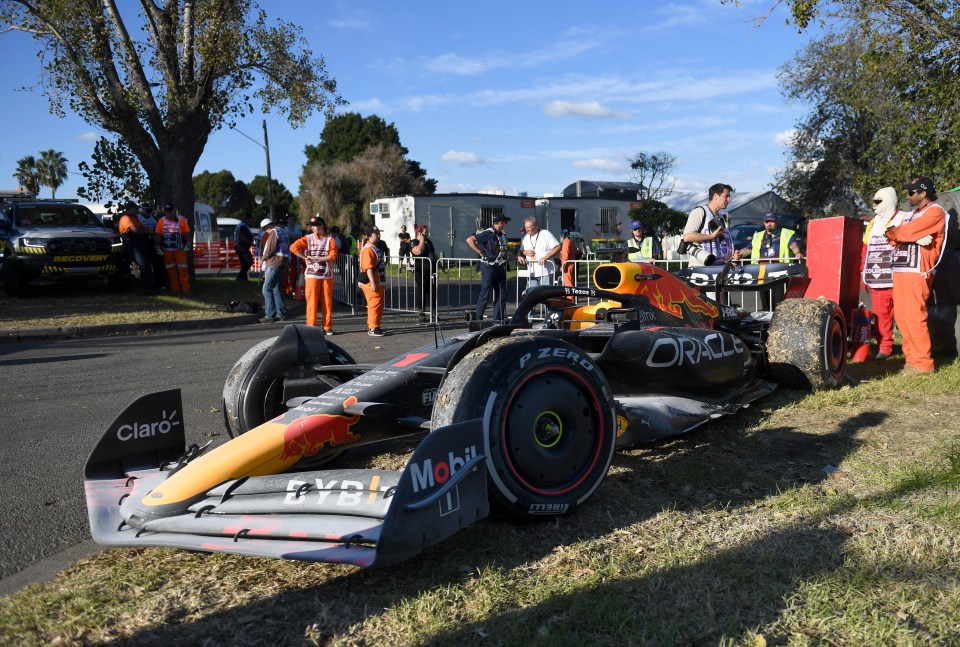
(912, 191)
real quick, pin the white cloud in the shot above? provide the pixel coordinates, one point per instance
(785, 138)
(354, 24)
(588, 110)
(86, 137)
(605, 165)
(462, 158)
(451, 63)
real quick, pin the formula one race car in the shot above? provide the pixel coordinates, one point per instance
(527, 417)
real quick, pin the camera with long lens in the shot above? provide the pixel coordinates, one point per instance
(683, 247)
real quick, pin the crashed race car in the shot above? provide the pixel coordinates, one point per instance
(524, 417)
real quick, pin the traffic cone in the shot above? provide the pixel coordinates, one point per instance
(861, 331)
(299, 292)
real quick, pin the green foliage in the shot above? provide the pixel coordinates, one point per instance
(339, 191)
(658, 219)
(227, 195)
(283, 201)
(350, 135)
(27, 174)
(115, 175)
(875, 121)
(52, 169)
(163, 79)
(346, 136)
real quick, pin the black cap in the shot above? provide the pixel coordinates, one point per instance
(168, 206)
(373, 230)
(500, 218)
(130, 205)
(922, 184)
(317, 221)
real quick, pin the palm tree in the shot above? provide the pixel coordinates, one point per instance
(27, 175)
(52, 170)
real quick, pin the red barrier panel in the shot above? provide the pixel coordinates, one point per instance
(834, 246)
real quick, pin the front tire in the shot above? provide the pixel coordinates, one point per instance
(251, 398)
(807, 344)
(549, 422)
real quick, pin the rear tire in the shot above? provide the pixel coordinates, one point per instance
(807, 344)
(550, 426)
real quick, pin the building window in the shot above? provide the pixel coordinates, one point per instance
(608, 220)
(485, 220)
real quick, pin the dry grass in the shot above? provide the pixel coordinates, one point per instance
(86, 304)
(829, 518)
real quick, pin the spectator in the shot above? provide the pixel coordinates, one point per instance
(319, 251)
(877, 264)
(424, 269)
(491, 245)
(404, 237)
(919, 248)
(137, 245)
(242, 244)
(272, 263)
(372, 265)
(173, 233)
(538, 247)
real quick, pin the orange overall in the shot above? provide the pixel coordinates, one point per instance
(173, 241)
(912, 278)
(373, 291)
(318, 275)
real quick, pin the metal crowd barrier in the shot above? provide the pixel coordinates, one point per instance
(456, 286)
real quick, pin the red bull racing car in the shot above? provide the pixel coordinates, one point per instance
(523, 417)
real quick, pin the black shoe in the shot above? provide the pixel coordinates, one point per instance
(284, 318)
(329, 332)
(881, 356)
(376, 332)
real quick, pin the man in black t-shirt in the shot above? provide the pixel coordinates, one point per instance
(491, 245)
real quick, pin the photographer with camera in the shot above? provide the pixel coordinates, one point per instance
(319, 251)
(705, 237)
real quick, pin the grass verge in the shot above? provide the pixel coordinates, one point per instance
(826, 518)
(89, 304)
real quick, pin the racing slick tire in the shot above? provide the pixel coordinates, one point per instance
(807, 344)
(549, 421)
(251, 398)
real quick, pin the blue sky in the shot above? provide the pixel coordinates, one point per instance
(523, 96)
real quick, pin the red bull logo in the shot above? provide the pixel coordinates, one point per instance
(670, 294)
(308, 435)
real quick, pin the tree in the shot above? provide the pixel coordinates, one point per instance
(203, 59)
(659, 219)
(227, 195)
(283, 200)
(652, 171)
(339, 191)
(346, 136)
(116, 175)
(27, 174)
(881, 84)
(52, 170)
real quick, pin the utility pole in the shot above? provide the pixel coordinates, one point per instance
(266, 148)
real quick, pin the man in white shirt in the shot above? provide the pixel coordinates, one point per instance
(537, 251)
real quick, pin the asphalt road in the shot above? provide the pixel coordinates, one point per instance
(58, 397)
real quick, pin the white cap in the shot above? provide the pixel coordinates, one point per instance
(266, 222)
